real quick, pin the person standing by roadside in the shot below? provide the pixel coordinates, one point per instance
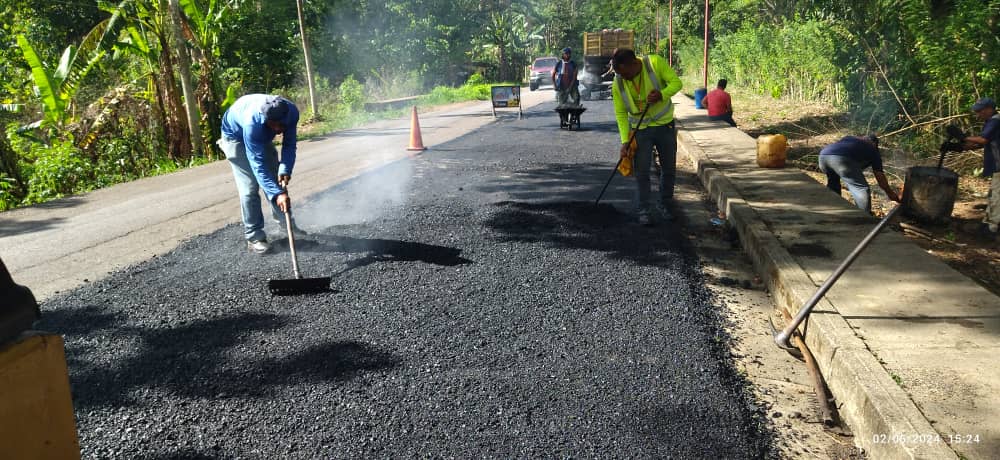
(719, 103)
(564, 80)
(645, 86)
(989, 141)
(248, 131)
(846, 160)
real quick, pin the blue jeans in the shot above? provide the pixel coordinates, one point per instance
(248, 188)
(664, 138)
(837, 168)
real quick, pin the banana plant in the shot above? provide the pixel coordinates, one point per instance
(144, 35)
(55, 88)
(203, 28)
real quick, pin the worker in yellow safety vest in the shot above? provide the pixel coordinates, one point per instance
(642, 89)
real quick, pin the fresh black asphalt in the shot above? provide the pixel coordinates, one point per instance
(483, 307)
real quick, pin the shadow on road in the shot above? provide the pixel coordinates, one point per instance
(206, 359)
(9, 228)
(376, 250)
(584, 225)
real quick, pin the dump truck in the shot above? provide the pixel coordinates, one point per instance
(596, 76)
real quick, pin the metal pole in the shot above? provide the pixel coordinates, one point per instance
(657, 46)
(705, 63)
(782, 337)
(817, 376)
(613, 171)
(670, 34)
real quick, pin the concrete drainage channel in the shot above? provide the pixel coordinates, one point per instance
(870, 401)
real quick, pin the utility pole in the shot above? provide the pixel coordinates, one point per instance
(705, 63)
(305, 50)
(190, 101)
(657, 47)
(670, 34)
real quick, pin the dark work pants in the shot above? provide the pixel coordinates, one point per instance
(664, 138)
(726, 117)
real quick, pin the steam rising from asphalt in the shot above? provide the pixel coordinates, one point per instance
(367, 197)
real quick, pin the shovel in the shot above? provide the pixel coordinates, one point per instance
(298, 285)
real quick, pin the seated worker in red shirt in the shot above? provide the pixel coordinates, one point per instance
(719, 104)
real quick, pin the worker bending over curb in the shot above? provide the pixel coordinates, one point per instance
(846, 160)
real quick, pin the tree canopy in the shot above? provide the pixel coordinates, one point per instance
(99, 82)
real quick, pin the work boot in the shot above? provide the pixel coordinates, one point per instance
(260, 246)
(663, 213)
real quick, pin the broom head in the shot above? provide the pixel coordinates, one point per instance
(298, 286)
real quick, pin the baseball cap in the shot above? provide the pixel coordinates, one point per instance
(275, 109)
(567, 50)
(982, 104)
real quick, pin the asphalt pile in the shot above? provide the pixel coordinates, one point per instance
(493, 312)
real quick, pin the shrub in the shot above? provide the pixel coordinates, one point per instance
(352, 93)
(7, 199)
(57, 171)
(476, 79)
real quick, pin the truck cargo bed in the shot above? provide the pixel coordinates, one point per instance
(605, 43)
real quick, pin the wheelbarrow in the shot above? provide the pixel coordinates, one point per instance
(569, 116)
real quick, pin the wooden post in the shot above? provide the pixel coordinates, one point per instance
(308, 59)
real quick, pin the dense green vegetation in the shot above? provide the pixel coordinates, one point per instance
(92, 92)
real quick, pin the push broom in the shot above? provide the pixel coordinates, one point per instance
(630, 139)
(298, 285)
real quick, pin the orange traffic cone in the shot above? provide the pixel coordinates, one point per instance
(416, 141)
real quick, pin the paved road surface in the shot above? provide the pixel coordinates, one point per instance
(66, 243)
(484, 308)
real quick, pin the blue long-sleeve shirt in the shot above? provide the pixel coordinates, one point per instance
(245, 122)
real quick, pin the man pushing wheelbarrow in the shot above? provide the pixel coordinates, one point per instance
(567, 91)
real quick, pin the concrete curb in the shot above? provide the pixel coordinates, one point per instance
(885, 421)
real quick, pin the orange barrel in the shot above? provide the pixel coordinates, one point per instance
(772, 150)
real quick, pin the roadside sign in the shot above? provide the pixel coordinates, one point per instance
(506, 97)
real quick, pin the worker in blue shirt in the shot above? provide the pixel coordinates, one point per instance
(248, 131)
(846, 160)
(989, 141)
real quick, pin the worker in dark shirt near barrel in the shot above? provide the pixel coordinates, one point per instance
(846, 160)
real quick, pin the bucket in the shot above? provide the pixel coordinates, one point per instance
(929, 193)
(699, 94)
(772, 150)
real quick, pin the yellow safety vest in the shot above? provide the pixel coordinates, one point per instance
(630, 105)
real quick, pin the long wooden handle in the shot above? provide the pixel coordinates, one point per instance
(291, 245)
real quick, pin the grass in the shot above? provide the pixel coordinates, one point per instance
(335, 116)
